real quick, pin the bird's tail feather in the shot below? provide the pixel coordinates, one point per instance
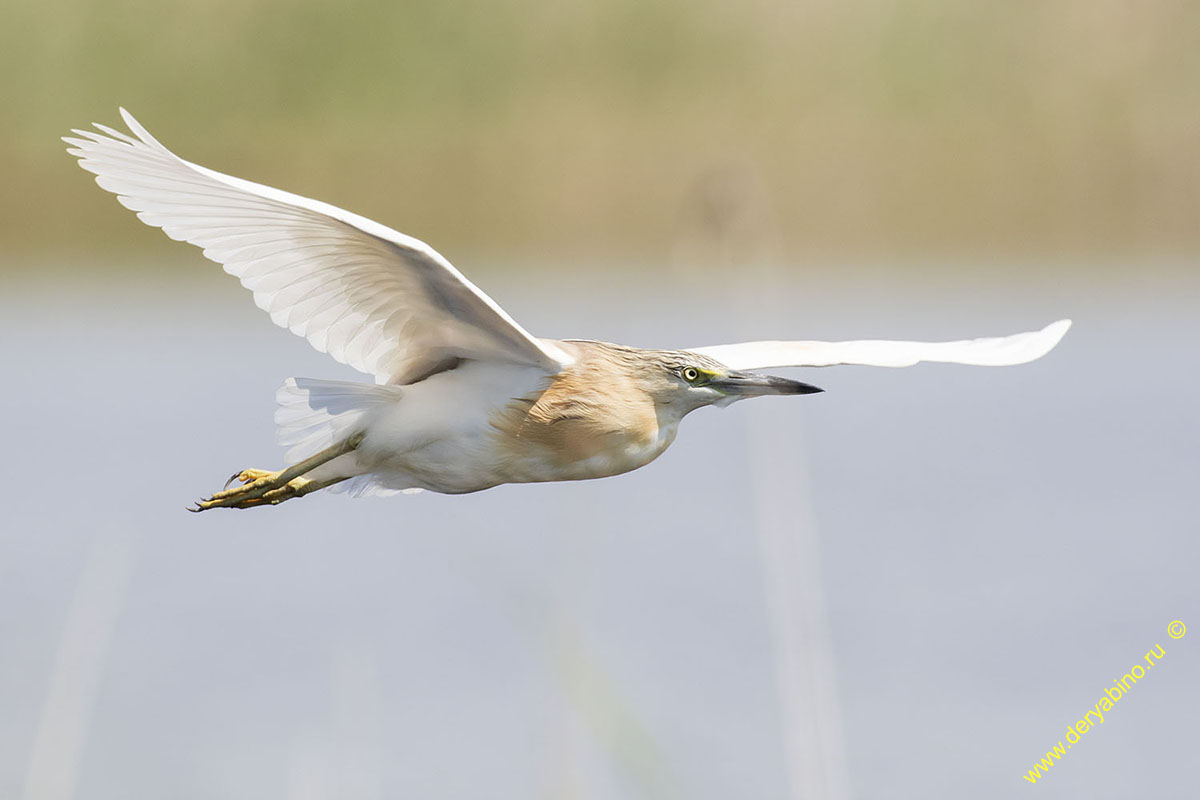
(314, 415)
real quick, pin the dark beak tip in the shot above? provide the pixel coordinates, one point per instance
(756, 385)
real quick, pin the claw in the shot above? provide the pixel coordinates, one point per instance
(232, 478)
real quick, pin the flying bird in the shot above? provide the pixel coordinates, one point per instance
(464, 398)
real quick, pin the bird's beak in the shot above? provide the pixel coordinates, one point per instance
(750, 384)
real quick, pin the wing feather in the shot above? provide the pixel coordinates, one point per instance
(990, 352)
(376, 299)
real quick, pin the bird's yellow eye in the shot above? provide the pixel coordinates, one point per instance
(690, 374)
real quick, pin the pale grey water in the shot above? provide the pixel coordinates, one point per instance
(996, 546)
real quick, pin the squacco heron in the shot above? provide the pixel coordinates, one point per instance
(464, 398)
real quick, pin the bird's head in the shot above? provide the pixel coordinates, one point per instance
(689, 381)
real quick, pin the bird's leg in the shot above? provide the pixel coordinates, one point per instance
(262, 487)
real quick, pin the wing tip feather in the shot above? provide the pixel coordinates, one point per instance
(1058, 329)
(1048, 338)
(137, 130)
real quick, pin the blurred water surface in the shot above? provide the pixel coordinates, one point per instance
(995, 547)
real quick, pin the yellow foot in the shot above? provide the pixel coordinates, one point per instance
(263, 488)
(259, 487)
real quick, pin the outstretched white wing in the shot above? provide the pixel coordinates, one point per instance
(371, 297)
(999, 351)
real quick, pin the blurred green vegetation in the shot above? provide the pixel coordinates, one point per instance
(616, 127)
